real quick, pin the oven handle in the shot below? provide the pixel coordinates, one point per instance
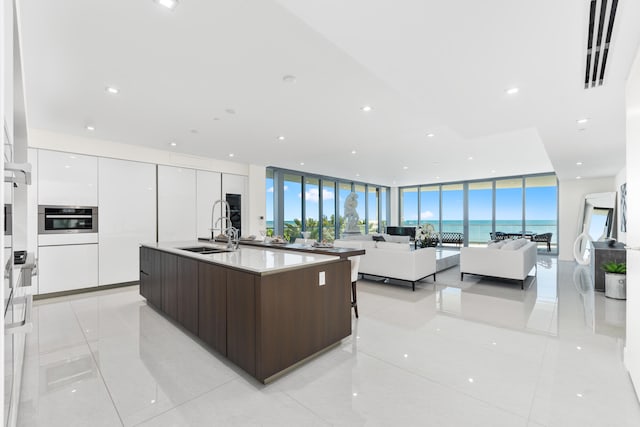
(25, 326)
(68, 216)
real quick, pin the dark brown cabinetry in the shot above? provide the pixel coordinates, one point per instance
(212, 306)
(264, 323)
(603, 253)
(169, 268)
(151, 276)
(187, 294)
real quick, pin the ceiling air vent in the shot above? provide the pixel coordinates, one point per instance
(602, 15)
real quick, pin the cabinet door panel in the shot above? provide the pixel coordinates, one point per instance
(208, 192)
(63, 268)
(188, 294)
(127, 215)
(176, 204)
(241, 320)
(169, 268)
(67, 179)
(212, 306)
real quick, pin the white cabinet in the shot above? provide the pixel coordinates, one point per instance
(207, 193)
(176, 204)
(127, 217)
(67, 179)
(68, 267)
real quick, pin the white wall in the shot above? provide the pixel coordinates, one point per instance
(571, 199)
(394, 200)
(620, 178)
(632, 348)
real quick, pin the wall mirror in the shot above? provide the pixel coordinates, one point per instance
(597, 223)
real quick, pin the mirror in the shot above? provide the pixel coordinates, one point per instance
(597, 223)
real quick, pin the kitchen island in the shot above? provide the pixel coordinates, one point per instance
(265, 310)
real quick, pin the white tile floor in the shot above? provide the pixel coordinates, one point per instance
(474, 353)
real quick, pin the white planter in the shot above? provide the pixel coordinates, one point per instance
(615, 285)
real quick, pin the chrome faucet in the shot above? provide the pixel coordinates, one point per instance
(223, 217)
(232, 238)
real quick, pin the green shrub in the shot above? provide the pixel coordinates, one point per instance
(615, 267)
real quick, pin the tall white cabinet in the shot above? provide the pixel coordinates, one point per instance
(208, 191)
(127, 217)
(176, 204)
(70, 180)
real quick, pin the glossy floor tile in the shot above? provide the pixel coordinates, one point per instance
(478, 352)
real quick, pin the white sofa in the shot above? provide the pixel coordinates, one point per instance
(394, 260)
(512, 259)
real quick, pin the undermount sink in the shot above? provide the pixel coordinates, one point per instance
(204, 250)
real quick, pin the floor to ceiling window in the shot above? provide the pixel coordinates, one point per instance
(480, 202)
(270, 200)
(372, 209)
(292, 206)
(509, 217)
(312, 207)
(541, 206)
(453, 208)
(328, 209)
(519, 205)
(430, 206)
(409, 206)
(298, 202)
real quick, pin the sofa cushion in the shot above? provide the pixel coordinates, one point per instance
(399, 239)
(404, 247)
(514, 245)
(497, 244)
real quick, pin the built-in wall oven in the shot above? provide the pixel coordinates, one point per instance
(67, 219)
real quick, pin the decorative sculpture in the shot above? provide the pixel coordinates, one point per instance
(350, 214)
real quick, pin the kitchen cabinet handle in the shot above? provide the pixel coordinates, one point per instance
(25, 326)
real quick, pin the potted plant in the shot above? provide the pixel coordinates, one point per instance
(615, 279)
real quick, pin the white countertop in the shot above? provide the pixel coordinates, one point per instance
(253, 259)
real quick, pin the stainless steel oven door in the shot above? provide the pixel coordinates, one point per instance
(67, 219)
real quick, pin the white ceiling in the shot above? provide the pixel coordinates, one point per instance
(437, 67)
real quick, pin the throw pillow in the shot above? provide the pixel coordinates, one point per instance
(378, 238)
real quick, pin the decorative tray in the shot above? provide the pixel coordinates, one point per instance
(322, 245)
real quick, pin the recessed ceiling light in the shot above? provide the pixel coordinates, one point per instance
(366, 108)
(493, 171)
(90, 128)
(173, 144)
(289, 78)
(357, 174)
(72, 157)
(578, 177)
(431, 135)
(169, 4)
(512, 91)
(470, 380)
(582, 121)
(112, 90)
(353, 151)
(405, 167)
(281, 138)
(437, 177)
(67, 166)
(231, 154)
(301, 163)
(470, 158)
(578, 163)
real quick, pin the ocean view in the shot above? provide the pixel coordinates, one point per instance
(479, 230)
